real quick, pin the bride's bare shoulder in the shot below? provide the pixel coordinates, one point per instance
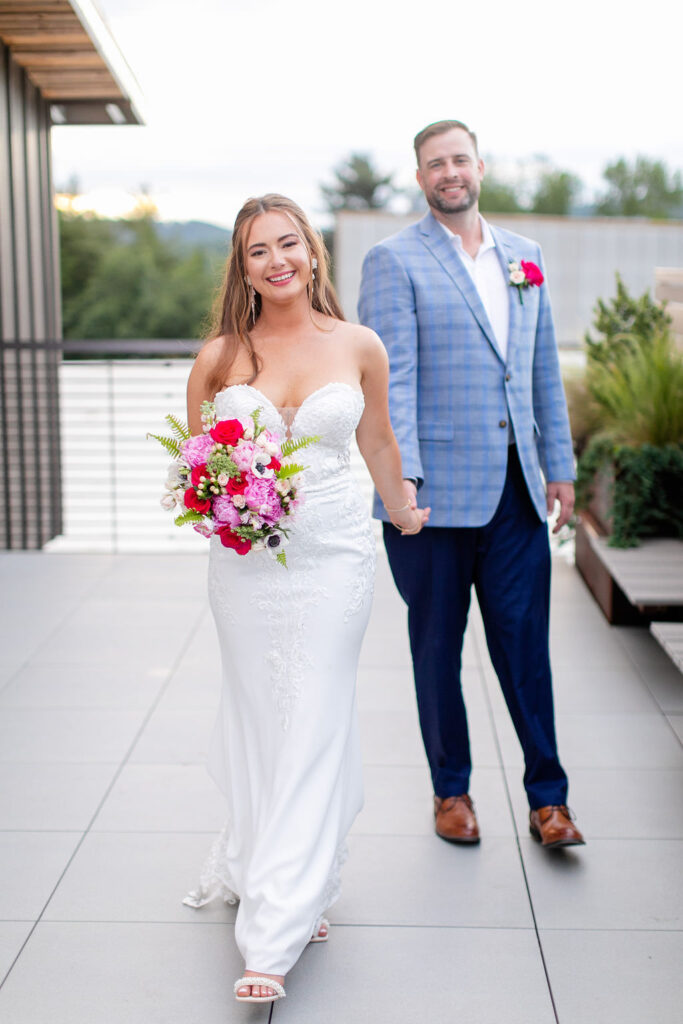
(211, 353)
(362, 338)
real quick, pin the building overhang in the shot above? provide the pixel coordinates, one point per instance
(71, 57)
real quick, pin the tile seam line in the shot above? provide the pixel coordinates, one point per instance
(124, 761)
(508, 797)
(87, 922)
(662, 712)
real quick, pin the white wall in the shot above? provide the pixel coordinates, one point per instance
(581, 257)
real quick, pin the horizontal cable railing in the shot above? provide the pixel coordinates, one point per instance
(111, 395)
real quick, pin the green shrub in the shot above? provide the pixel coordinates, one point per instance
(646, 493)
(639, 397)
(627, 418)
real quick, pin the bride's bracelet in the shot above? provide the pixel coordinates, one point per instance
(402, 509)
(402, 529)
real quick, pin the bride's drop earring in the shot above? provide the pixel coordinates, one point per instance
(314, 267)
(252, 299)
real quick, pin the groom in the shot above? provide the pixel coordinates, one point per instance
(478, 409)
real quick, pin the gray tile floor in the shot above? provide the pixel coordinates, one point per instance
(107, 695)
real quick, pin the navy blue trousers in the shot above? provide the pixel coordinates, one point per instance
(508, 562)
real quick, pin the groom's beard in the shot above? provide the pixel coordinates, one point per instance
(465, 201)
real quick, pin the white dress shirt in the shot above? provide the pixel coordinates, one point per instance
(489, 280)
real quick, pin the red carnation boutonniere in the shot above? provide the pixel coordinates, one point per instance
(523, 275)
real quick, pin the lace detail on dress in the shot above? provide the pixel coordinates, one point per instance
(220, 589)
(214, 879)
(285, 597)
(286, 614)
(332, 890)
(361, 586)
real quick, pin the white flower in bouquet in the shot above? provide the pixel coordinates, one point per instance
(168, 500)
(173, 479)
(223, 479)
(260, 467)
(275, 543)
(249, 429)
(283, 486)
(239, 501)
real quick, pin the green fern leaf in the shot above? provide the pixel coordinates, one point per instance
(179, 428)
(286, 471)
(171, 445)
(281, 557)
(190, 515)
(295, 444)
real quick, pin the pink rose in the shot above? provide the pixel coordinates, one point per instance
(231, 540)
(191, 500)
(532, 272)
(227, 431)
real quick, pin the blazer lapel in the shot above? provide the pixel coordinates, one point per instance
(441, 247)
(505, 253)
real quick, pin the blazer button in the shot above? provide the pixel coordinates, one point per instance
(503, 423)
(508, 376)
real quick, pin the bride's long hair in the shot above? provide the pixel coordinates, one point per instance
(231, 316)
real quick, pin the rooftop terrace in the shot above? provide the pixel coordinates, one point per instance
(107, 695)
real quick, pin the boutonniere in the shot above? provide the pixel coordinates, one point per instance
(523, 275)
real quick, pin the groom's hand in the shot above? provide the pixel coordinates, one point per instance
(564, 493)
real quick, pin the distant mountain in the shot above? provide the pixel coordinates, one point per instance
(195, 234)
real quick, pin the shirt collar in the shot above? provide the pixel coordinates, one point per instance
(487, 241)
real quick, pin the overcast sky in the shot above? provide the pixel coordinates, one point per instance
(249, 96)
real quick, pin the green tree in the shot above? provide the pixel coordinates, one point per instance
(645, 188)
(555, 192)
(358, 186)
(120, 279)
(624, 324)
(84, 244)
(498, 195)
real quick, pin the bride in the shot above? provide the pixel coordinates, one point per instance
(285, 748)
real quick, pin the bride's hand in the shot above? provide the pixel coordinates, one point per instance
(410, 520)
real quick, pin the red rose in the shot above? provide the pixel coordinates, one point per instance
(191, 500)
(274, 464)
(198, 472)
(236, 485)
(231, 540)
(227, 431)
(532, 272)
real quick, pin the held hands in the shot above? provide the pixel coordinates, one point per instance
(564, 493)
(409, 519)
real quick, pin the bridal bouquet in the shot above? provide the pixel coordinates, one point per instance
(236, 480)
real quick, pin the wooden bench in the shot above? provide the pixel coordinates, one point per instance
(670, 636)
(634, 586)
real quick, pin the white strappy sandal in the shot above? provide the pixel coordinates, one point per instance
(255, 979)
(316, 937)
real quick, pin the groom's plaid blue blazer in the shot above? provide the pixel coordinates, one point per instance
(451, 393)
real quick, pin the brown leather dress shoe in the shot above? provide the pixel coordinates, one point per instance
(456, 821)
(554, 826)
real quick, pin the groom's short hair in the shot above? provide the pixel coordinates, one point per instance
(438, 128)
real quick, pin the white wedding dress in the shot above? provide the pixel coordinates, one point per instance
(285, 748)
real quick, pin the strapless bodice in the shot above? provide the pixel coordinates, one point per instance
(331, 412)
